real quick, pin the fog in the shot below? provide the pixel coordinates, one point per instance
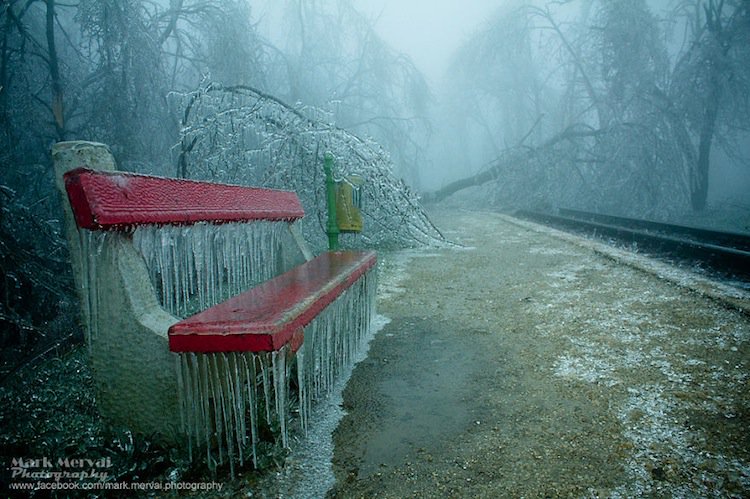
(478, 81)
(628, 107)
(427, 31)
(638, 107)
(431, 33)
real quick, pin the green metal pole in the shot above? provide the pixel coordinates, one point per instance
(332, 227)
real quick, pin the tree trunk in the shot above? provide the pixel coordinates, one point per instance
(54, 72)
(512, 156)
(699, 194)
(464, 183)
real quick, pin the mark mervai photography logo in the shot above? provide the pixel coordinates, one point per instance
(45, 468)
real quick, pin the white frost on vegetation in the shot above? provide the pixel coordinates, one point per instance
(241, 135)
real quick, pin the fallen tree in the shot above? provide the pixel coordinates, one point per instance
(239, 134)
(637, 166)
(654, 120)
(513, 158)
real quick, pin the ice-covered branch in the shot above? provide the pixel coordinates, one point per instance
(242, 135)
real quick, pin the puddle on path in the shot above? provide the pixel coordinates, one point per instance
(420, 401)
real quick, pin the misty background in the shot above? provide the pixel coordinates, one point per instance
(628, 107)
(437, 35)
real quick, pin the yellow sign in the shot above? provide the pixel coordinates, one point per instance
(348, 204)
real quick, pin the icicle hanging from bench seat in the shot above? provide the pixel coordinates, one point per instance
(225, 397)
(333, 338)
(221, 395)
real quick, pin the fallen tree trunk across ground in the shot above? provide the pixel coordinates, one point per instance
(514, 159)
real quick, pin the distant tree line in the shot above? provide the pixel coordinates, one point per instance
(612, 109)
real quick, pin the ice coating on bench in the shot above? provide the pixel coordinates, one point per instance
(191, 267)
(92, 243)
(196, 244)
(220, 393)
(266, 317)
(117, 200)
(197, 266)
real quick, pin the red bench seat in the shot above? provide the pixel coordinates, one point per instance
(272, 314)
(130, 241)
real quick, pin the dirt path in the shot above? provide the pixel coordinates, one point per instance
(531, 366)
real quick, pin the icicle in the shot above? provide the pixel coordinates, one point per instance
(251, 377)
(335, 335)
(92, 243)
(304, 402)
(236, 380)
(218, 396)
(220, 393)
(194, 267)
(265, 374)
(204, 393)
(182, 397)
(280, 385)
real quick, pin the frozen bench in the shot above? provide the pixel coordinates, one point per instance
(265, 308)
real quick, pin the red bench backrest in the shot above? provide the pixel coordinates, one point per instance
(116, 201)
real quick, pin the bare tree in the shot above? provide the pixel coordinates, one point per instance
(336, 61)
(633, 134)
(35, 283)
(496, 90)
(711, 81)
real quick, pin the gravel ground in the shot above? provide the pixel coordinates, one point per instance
(531, 365)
